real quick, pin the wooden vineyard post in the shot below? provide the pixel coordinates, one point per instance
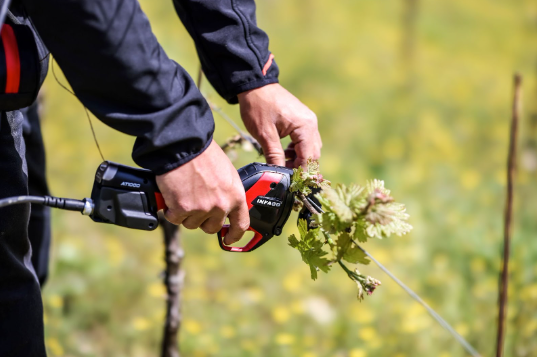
(173, 280)
(508, 217)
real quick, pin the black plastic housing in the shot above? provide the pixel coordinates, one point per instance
(268, 221)
(125, 196)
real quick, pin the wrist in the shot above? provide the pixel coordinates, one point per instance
(243, 96)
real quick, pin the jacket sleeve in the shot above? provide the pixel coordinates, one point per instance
(233, 51)
(118, 70)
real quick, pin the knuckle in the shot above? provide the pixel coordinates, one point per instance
(194, 208)
(219, 209)
(173, 217)
(204, 208)
(218, 213)
(240, 203)
(311, 117)
(185, 207)
(269, 142)
(264, 135)
(273, 157)
(243, 226)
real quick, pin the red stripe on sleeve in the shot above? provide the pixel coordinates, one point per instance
(13, 64)
(268, 64)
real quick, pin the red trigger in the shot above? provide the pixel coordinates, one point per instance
(160, 201)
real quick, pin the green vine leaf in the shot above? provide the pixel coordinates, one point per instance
(303, 181)
(360, 233)
(350, 214)
(310, 248)
(355, 255)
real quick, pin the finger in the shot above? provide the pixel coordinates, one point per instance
(290, 156)
(290, 164)
(290, 153)
(303, 153)
(272, 148)
(307, 149)
(239, 221)
(213, 224)
(194, 220)
(173, 217)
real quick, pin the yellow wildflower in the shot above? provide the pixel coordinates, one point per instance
(284, 339)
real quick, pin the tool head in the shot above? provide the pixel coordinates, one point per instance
(269, 202)
(305, 212)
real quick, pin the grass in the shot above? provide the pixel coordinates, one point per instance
(435, 129)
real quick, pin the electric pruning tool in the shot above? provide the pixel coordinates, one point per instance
(129, 197)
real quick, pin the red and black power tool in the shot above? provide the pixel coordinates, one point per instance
(129, 197)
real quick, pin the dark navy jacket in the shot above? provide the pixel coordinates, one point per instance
(119, 71)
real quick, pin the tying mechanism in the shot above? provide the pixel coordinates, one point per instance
(269, 203)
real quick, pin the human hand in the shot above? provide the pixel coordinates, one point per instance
(270, 113)
(203, 192)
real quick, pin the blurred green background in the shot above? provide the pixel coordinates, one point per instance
(417, 93)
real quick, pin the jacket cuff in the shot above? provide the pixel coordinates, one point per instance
(173, 164)
(231, 96)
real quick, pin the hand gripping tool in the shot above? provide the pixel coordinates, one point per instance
(129, 197)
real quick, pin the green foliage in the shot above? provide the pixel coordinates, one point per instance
(369, 212)
(349, 251)
(423, 130)
(350, 212)
(310, 248)
(304, 180)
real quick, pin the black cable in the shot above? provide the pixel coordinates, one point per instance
(21, 199)
(56, 202)
(86, 109)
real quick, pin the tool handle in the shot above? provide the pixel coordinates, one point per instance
(252, 244)
(161, 205)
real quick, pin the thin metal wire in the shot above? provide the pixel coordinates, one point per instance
(86, 109)
(230, 121)
(227, 118)
(416, 297)
(245, 136)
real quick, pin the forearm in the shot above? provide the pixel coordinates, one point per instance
(233, 50)
(118, 70)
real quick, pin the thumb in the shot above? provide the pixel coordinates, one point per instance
(272, 148)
